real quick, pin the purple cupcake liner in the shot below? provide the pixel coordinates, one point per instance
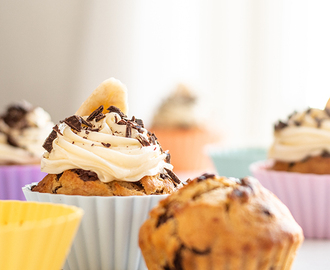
(14, 177)
(306, 196)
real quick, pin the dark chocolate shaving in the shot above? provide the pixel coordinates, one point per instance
(48, 144)
(73, 122)
(128, 130)
(99, 117)
(86, 175)
(143, 141)
(84, 122)
(139, 122)
(122, 122)
(116, 110)
(95, 113)
(152, 139)
(15, 116)
(57, 129)
(173, 176)
(205, 176)
(280, 125)
(325, 154)
(168, 157)
(133, 118)
(11, 141)
(106, 144)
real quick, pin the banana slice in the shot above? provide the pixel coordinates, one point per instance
(110, 92)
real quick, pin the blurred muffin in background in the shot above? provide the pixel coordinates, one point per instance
(179, 125)
(23, 129)
(298, 168)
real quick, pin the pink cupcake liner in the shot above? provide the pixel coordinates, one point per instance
(14, 177)
(108, 235)
(306, 196)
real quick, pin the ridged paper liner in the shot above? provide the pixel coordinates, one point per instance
(306, 196)
(36, 236)
(14, 177)
(108, 235)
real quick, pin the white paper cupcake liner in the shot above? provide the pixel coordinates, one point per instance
(108, 234)
(306, 196)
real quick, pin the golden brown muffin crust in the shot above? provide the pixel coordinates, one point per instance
(86, 183)
(315, 165)
(216, 222)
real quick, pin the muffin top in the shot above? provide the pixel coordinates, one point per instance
(215, 215)
(305, 134)
(178, 110)
(23, 129)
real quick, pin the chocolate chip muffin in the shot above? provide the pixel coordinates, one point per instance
(220, 223)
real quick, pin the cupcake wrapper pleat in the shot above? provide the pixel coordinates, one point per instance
(306, 196)
(108, 235)
(14, 177)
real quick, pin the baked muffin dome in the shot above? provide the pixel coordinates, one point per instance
(220, 223)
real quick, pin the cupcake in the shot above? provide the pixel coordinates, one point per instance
(181, 129)
(298, 168)
(36, 235)
(220, 223)
(113, 168)
(23, 129)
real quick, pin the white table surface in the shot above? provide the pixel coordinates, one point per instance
(313, 255)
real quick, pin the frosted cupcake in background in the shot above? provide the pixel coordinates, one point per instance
(178, 124)
(23, 128)
(298, 169)
(114, 169)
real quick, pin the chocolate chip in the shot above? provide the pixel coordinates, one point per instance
(205, 176)
(173, 176)
(73, 122)
(116, 110)
(178, 259)
(162, 219)
(86, 175)
(58, 176)
(95, 113)
(48, 144)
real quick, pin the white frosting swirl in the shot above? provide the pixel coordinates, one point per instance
(305, 134)
(105, 151)
(28, 140)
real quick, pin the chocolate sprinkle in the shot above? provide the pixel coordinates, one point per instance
(86, 175)
(173, 176)
(73, 122)
(48, 144)
(280, 125)
(116, 110)
(95, 113)
(106, 144)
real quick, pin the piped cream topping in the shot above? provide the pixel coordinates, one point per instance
(112, 146)
(305, 134)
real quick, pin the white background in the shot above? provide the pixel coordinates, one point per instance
(251, 62)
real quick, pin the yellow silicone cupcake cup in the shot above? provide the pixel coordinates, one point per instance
(36, 235)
